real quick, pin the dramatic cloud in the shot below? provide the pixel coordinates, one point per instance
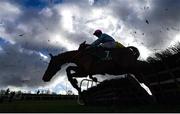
(19, 65)
(31, 29)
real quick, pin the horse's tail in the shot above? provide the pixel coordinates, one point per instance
(135, 51)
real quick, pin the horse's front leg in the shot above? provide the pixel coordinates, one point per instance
(74, 74)
(70, 77)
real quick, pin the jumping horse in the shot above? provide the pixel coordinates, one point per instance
(117, 61)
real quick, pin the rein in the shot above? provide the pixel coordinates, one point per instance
(76, 55)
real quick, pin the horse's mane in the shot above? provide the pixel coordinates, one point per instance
(64, 53)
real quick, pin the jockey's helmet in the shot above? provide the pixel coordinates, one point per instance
(97, 32)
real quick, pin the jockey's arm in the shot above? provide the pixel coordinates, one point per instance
(96, 43)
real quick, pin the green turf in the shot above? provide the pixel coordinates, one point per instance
(47, 106)
(72, 106)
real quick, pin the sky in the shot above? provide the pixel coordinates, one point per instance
(31, 29)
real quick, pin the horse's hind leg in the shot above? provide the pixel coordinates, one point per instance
(93, 78)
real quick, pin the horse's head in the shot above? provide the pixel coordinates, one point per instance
(82, 46)
(52, 69)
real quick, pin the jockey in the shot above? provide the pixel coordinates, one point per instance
(104, 40)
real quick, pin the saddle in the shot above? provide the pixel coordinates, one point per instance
(100, 53)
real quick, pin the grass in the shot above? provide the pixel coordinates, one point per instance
(71, 106)
(48, 106)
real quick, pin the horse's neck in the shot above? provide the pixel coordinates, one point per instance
(67, 57)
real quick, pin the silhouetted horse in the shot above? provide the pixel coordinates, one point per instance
(117, 61)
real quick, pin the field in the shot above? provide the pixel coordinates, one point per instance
(73, 106)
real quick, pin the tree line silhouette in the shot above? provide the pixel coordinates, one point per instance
(6, 95)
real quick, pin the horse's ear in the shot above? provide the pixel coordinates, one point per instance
(51, 55)
(84, 42)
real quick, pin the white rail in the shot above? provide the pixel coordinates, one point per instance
(88, 80)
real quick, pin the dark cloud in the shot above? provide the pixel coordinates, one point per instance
(31, 30)
(101, 2)
(161, 20)
(18, 65)
(151, 17)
